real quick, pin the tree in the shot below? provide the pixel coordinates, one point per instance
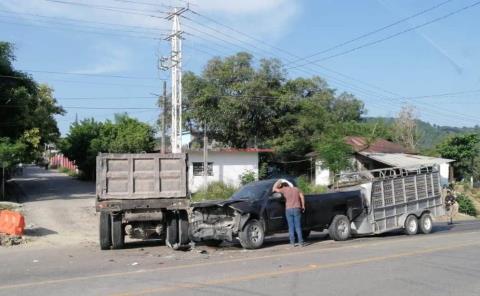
(26, 109)
(465, 150)
(405, 128)
(89, 137)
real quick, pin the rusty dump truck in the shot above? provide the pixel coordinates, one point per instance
(143, 196)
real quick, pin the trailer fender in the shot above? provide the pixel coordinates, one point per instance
(418, 214)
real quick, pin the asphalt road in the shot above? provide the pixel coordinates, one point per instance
(63, 258)
(445, 262)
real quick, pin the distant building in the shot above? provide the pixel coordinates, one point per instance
(382, 154)
(224, 164)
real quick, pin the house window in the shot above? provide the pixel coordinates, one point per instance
(198, 169)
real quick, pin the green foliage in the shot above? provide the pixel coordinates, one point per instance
(89, 137)
(263, 171)
(465, 150)
(465, 205)
(248, 176)
(334, 153)
(26, 109)
(215, 191)
(309, 188)
(11, 153)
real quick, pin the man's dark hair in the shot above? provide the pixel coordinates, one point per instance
(285, 184)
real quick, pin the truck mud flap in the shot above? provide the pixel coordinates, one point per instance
(177, 230)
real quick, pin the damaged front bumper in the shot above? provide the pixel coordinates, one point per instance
(215, 223)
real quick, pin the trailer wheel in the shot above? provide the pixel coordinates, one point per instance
(105, 231)
(339, 229)
(426, 224)
(411, 225)
(118, 233)
(252, 235)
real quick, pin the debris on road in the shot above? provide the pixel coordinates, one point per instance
(12, 206)
(134, 263)
(11, 240)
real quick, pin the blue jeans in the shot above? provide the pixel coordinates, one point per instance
(294, 219)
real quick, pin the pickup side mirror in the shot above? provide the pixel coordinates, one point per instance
(276, 195)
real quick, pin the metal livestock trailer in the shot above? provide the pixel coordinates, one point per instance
(398, 198)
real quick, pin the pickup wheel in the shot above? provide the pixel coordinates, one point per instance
(105, 231)
(411, 225)
(118, 232)
(252, 235)
(426, 224)
(339, 229)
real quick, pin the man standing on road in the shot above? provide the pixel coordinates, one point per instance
(294, 207)
(451, 205)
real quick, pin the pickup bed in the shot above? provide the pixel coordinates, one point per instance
(256, 211)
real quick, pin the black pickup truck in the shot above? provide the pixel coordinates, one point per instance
(256, 211)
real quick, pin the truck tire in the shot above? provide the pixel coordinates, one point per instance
(426, 224)
(339, 229)
(118, 233)
(411, 225)
(171, 238)
(105, 231)
(183, 237)
(252, 235)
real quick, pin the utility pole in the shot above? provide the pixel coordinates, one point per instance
(174, 63)
(205, 157)
(164, 113)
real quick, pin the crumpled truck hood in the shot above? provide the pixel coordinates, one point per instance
(243, 206)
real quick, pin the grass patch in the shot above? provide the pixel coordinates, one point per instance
(215, 191)
(465, 205)
(310, 188)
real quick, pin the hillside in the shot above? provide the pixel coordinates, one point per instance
(430, 134)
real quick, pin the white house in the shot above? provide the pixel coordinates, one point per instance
(224, 164)
(383, 154)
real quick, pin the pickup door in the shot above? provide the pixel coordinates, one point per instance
(321, 208)
(277, 221)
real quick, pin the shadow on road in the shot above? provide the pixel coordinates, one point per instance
(39, 231)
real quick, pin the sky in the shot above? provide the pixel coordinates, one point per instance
(101, 57)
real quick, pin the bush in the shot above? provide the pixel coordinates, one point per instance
(465, 205)
(215, 191)
(248, 176)
(309, 188)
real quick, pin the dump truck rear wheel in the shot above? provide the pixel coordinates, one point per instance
(105, 231)
(118, 233)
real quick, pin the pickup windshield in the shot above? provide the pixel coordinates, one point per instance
(251, 191)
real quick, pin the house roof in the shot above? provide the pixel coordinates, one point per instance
(234, 150)
(403, 160)
(360, 144)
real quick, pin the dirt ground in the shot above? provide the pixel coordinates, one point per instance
(59, 210)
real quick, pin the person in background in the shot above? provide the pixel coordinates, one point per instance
(451, 205)
(294, 207)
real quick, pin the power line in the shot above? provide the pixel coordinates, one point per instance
(110, 8)
(391, 36)
(8, 12)
(84, 31)
(103, 98)
(93, 75)
(362, 36)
